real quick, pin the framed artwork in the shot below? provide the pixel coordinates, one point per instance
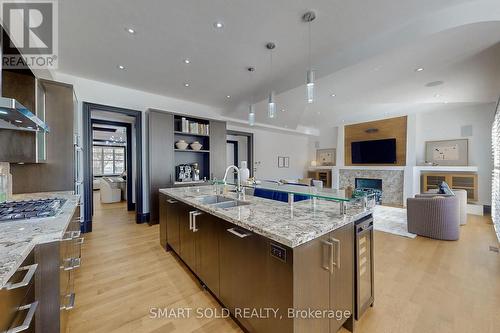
(326, 157)
(447, 152)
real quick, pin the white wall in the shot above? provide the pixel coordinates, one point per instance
(268, 145)
(268, 142)
(446, 125)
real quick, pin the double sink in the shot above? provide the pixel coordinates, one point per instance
(220, 201)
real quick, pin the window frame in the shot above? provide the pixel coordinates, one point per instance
(101, 160)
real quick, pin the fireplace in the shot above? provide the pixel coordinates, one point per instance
(371, 186)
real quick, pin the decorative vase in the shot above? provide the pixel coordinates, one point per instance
(181, 144)
(244, 172)
(196, 145)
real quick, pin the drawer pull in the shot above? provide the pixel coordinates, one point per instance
(27, 320)
(71, 263)
(71, 302)
(239, 234)
(70, 235)
(27, 278)
(170, 201)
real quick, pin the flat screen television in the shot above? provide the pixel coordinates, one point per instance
(374, 152)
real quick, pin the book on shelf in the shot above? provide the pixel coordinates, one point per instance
(194, 127)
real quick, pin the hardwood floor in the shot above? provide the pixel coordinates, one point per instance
(421, 285)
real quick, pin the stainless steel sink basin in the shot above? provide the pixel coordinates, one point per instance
(232, 203)
(214, 199)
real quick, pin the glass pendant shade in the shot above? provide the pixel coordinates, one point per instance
(310, 86)
(271, 106)
(251, 115)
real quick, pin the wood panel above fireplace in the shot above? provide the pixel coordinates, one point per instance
(377, 130)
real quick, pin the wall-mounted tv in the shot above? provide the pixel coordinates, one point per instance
(374, 152)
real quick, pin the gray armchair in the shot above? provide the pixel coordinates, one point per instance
(434, 216)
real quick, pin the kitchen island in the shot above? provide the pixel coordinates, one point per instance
(277, 267)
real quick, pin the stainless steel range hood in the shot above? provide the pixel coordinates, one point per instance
(14, 115)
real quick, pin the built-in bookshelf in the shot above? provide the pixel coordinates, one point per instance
(192, 130)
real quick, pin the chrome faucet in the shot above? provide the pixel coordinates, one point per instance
(238, 183)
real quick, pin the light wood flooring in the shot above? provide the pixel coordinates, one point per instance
(421, 285)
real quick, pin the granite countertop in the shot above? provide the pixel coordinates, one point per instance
(18, 238)
(274, 219)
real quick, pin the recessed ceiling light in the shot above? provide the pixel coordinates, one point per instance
(121, 67)
(219, 25)
(282, 110)
(333, 95)
(187, 61)
(3, 112)
(228, 96)
(186, 84)
(419, 69)
(445, 102)
(130, 30)
(437, 95)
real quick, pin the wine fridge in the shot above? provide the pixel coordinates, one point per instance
(364, 265)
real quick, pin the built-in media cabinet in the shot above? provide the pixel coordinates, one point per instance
(165, 129)
(456, 180)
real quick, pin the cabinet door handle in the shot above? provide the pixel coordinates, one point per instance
(337, 251)
(31, 269)
(170, 201)
(191, 219)
(27, 320)
(194, 220)
(329, 262)
(71, 302)
(71, 263)
(239, 234)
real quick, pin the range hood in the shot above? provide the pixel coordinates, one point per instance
(15, 116)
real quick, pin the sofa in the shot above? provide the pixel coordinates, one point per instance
(110, 192)
(437, 215)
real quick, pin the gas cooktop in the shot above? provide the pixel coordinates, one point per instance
(30, 209)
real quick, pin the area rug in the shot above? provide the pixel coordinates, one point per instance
(391, 220)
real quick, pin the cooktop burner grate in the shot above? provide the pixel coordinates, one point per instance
(30, 209)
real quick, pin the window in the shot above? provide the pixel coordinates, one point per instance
(108, 160)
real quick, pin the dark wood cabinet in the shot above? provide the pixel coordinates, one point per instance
(19, 292)
(187, 237)
(162, 202)
(251, 278)
(164, 130)
(161, 157)
(56, 173)
(247, 270)
(206, 229)
(217, 149)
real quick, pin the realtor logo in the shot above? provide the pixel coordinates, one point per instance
(32, 28)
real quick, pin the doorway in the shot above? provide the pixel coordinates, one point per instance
(239, 148)
(113, 171)
(112, 160)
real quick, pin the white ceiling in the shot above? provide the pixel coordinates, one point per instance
(363, 51)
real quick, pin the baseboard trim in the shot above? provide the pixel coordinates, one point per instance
(142, 218)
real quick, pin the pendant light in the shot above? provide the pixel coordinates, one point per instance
(251, 109)
(271, 103)
(308, 18)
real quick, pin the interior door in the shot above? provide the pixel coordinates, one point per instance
(342, 279)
